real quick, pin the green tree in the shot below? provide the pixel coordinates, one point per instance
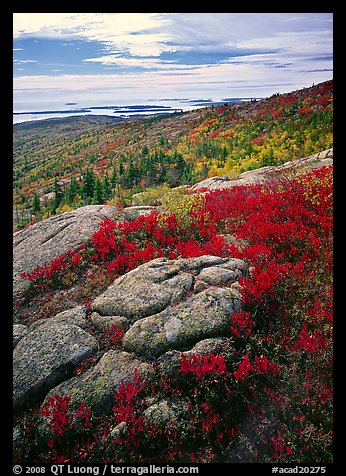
(98, 197)
(88, 187)
(59, 195)
(107, 190)
(73, 190)
(36, 205)
(131, 175)
(114, 179)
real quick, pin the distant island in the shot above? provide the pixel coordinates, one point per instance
(124, 110)
(62, 111)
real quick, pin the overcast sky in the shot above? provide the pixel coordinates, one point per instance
(108, 57)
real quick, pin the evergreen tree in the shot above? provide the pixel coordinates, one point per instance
(59, 195)
(131, 175)
(176, 174)
(186, 176)
(180, 164)
(145, 150)
(114, 179)
(107, 191)
(98, 197)
(150, 176)
(121, 172)
(88, 187)
(36, 205)
(73, 190)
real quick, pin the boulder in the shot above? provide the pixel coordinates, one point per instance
(321, 159)
(103, 322)
(19, 331)
(153, 286)
(143, 291)
(168, 308)
(133, 212)
(76, 315)
(204, 315)
(45, 357)
(37, 244)
(194, 265)
(216, 275)
(96, 387)
(160, 307)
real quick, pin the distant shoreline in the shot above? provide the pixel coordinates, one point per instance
(123, 111)
(131, 108)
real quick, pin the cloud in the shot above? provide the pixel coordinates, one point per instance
(173, 54)
(140, 62)
(211, 81)
(303, 43)
(133, 36)
(16, 61)
(124, 31)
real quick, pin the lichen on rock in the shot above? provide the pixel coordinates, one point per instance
(47, 356)
(96, 387)
(207, 314)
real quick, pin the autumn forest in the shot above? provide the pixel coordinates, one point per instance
(60, 165)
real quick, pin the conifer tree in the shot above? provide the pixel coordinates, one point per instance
(59, 195)
(36, 205)
(88, 187)
(98, 197)
(107, 191)
(73, 190)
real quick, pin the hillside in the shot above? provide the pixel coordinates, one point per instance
(198, 333)
(63, 164)
(197, 326)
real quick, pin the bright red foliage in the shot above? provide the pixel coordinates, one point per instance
(244, 369)
(263, 366)
(280, 371)
(56, 409)
(209, 364)
(241, 324)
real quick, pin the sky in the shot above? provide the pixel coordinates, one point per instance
(107, 58)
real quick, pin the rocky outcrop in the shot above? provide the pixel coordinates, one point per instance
(174, 304)
(76, 316)
(133, 212)
(19, 331)
(96, 387)
(164, 307)
(204, 315)
(46, 356)
(264, 173)
(144, 291)
(37, 244)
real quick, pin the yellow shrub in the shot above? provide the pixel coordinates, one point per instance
(177, 201)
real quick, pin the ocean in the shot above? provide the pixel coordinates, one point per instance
(124, 109)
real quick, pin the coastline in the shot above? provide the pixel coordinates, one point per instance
(121, 111)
